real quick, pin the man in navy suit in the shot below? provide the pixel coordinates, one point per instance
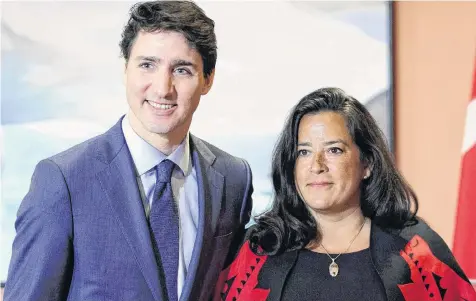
(91, 226)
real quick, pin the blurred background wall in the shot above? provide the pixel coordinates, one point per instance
(434, 58)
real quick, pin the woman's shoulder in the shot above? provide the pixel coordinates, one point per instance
(423, 240)
(418, 227)
(248, 256)
(239, 280)
(419, 231)
(252, 273)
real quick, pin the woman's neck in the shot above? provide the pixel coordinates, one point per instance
(339, 229)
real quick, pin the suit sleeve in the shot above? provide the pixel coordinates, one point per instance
(41, 263)
(245, 216)
(247, 205)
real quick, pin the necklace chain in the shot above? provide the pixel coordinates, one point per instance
(333, 259)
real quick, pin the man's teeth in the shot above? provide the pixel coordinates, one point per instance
(160, 106)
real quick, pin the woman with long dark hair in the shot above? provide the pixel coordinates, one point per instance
(343, 224)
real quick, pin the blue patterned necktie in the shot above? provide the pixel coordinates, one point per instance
(164, 223)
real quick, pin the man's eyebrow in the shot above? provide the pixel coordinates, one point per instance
(153, 59)
(182, 63)
(175, 63)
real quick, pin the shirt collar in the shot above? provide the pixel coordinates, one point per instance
(146, 157)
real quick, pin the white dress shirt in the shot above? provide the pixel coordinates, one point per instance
(184, 187)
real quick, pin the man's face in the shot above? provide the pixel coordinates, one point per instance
(164, 82)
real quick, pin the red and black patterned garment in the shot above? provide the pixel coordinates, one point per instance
(410, 264)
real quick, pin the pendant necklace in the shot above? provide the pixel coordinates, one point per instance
(334, 267)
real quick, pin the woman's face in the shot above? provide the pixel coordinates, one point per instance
(328, 169)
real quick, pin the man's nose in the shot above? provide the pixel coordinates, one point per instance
(163, 84)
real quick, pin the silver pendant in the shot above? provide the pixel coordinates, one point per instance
(333, 269)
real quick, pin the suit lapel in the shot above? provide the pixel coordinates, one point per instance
(385, 250)
(276, 273)
(119, 184)
(210, 193)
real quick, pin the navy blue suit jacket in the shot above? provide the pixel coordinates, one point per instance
(82, 233)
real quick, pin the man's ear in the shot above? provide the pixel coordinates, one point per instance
(208, 82)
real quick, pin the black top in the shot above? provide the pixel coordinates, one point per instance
(310, 280)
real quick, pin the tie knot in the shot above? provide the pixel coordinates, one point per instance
(164, 170)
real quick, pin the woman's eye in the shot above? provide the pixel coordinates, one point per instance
(335, 150)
